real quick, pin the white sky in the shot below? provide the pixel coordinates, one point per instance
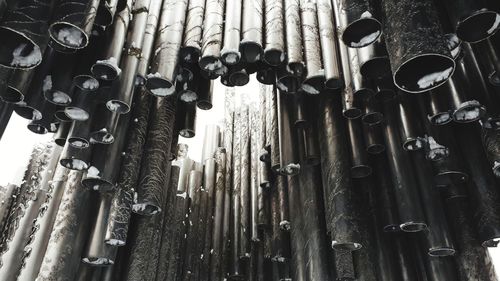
(17, 141)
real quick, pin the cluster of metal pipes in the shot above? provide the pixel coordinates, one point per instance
(373, 153)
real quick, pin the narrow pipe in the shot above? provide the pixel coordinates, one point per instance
(287, 136)
(422, 68)
(411, 132)
(58, 87)
(274, 49)
(374, 60)
(491, 139)
(374, 140)
(252, 39)
(205, 94)
(148, 40)
(235, 271)
(7, 201)
(164, 64)
(336, 178)
(309, 153)
(211, 142)
(75, 158)
(372, 114)
(5, 114)
(209, 185)
(216, 267)
(17, 83)
(245, 193)
(230, 54)
(106, 12)
(386, 202)
(360, 167)
(297, 236)
(344, 265)
(82, 104)
(329, 48)
(437, 108)
(213, 22)
(293, 32)
(104, 126)
(272, 124)
(254, 182)
(488, 60)
(187, 111)
(405, 190)
(191, 44)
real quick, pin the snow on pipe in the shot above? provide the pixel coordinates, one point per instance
(386, 202)
(58, 82)
(148, 40)
(24, 29)
(293, 31)
(274, 48)
(106, 12)
(420, 59)
(106, 67)
(191, 45)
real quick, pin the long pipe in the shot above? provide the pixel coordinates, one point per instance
(251, 45)
(193, 31)
(230, 54)
(329, 48)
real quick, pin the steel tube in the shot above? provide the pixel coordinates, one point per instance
(82, 105)
(274, 48)
(405, 190)
(105, 126)
(342, 219)
(437, 108)
(287, 136)
(293, 32)
(209, 185)
(360, 167)
(410, 131)
(164, 64)
(234, 267)
(491, 139)
(245, 193)
(297, 236)
(230, 54)
(7, 196)
(193, 31)
(252, 39)
(420, 59)
(374, 140)
(187, 111)
(58, 87)
(374, 60)
(329, 48)
(75, 158)
(272, 124)
(106, 12)
(16, 85)
(210, 60)
(148, 40)
(205, 94)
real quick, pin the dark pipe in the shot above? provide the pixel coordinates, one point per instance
(252, 21)
(374, 60)
(105, 126)
(471, 20)
(329, 49)
(314, 81)
(266, 74)
(107, 66)
(82, 104)
(150, 190)
(384, 88)
(344, 265)
(341, 211)
(439, 268)
(79, 134)
(187, 111)
(191, 257)
(411, 131)
(209, 184)
(351, 107)
(360, 167)
(488, 60)
(24, 33)
(406, 258)
(148, 40)
(405, 190)
(106, 12)
(62, 132)
(420, 58)
(191, 44)
(46, 124)
(483, 190)
(73, 22)
(245, 167)
(386, 202)
(216, 267)
(59, 79)
(293, 32)
(491, 143)
(164, 64)
(17, 85)
(374, 140)
(297, 236)
(235, 272)
(5, 114)
(287, 136)
(438, 240)
(437, 108)
(299, 111)
(287, 81)
(205, 93)
(238, 75)
(274, 49)
(230, 54)
(272, 124)
(309, 153)
(356, 24)
(210, 60)
(75, 158)
(372, 114)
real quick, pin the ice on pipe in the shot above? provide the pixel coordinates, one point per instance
(113, 105)
(90, 84)
(231, 56)
(163, 92)
(435, 149)
(37, 115)
(76, 164)
(467, 115)
(93, 172)
(442, 118)
(309, 89)
(366, 14)
(189, 96)
(47, 83)
(76, 113)
(431, 79)
(368, 39)
(112, 62)
(115, 242)
(26, 60)
(60, 97)
(70, 36)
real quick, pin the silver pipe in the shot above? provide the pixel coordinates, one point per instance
(191, 44)
(252, 39)
(230, 54)
(210, 60)
(211, 142)
(294, 38)
(274, 50)
(329, 48)
(148, 40)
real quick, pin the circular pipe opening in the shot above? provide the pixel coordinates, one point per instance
(391, 228)
(314, 84)
(440, 118)
(251, 51)
(469, 111)
(204, 105)
(360, 171)
(118, 106)
(478, 26)
(352, 113)
(288, 84)
(424, 72)
(230, 57)
(491, 243)
(57, 98)
(103, 16)
(188, 96)
(68, 35)
(97, 184)
(61, 116)
(28, 112)
(494, 79)
(187, 133)
(274, 57)
(17, 50)
(239, 78)
(450, 177)
(146, 209)
(76, 113)
(334, 83)
(102, 136)
(189, 54)
(78, 142)
(413, 226)
(362, 32)
(86, 82)
(210, 64)
(12, 95)
(60, 141)
(346, 246)
(105, 70)
(98, 261)
(372, 118)
(37, 129)
(290, 169)
(159, 86)
(441, 252)
(114, 242)
(375, 148)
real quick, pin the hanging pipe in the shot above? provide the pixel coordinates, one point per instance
(274, 48)
(190, 50)
(360, 167)
(295, 60)
(148, 40)
(289, 164)
(252, 20)
(329, 48)
(210, 60)
(230, 54)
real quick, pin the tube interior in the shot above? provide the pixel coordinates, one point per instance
(274, 57)
(478, 26)
(68, 35)
(28, 54)
(97, 184)
(362, 32)
(413, 226)
(360, 171)
(12, 95)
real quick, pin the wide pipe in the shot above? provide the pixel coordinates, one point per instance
(252, 39)
(293, 37)
(193, 31)
(148, 40)
(274, 48)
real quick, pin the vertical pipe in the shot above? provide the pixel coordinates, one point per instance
(272, 124)
(287, 136)
(293, 37)
(329, 49)
(213, 22)
(359, 158)
(252, 39)
(230, 54)
(209, 184)
(148, 40)
(491, 143)
(245, 166)
(234, 268)
(191, 44)
(298, 241)
(274, 50)
(216, 266)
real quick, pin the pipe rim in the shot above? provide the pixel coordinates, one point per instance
(413, 226)
(391, 228)
(314, 84)
(266, 76)
(12, 95)
(97, 184)
(410, 72)
(274, 57)
(210, 64)
(103, 16)
(375, 148)
(102, 137)
(28, 112)
(190, 54)
(239, 78)
(462, 114)
(290, 169)
(441, 252)
(360, 171)
(251, 51)
(372, 118)
(360, 29)
(80, 80)
(413, 144)
(440, 118)
(73, 140)
(478, 26)
(335, 83)
(289, 84)
(494, 79)
(450, 177)
(204, 104)
(352, 113)
(230, 57)
(105, 71)
(118, 106)
(346, 246)
(98, 261)
(159, 86)
(57, 26)
(74, 164)
(49, 96)
(187, 133)
(6, 49)
(37, 128)
(61, 116)
(376, 67)
(146, 209)
(76, 114)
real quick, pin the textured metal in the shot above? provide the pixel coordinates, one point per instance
(411, 48)
(274, 48)
(329, 49)
(187, 111)
(315, 78)
(191, 44)
(297, 236)
(293, 36)
(252, 23)
(210, 60)
(192, 253)
(148, 40)
(491, 139)
(288, 155)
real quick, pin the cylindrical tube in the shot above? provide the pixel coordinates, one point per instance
(148, 40)
(17, 83)
(213, 22)
(187, 111)
(386, 203)
(329, 49)
(272, 124)
(205, 93)
(287, 136)
(416, 67)
(491, 143)
(274, 50)
(230, 54)
(293, 36)
(245, 167)
(252, 39)
(75, 158)
(234, 268)
(374, 140)
(191, 44)
(410, 131)
(360, 167)
(374, 61)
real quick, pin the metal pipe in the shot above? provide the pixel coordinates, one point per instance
(57, 90)
(234, 267)
(164, 65)
(230, 54)
(410, 131)
(374, 140)
(252, 39)
(148, 40)
(491, 139)
(106, 12)
(107, 66)
(341, 212)
(47, 124)
(209, 186)
(372, 114)
(17, 83)
(385, 200)
(482, 191)
(356, 24)
(314, 80)
(191, 44)
(75, 158)
(329, 48)
(274, 49)
(104, 126)
(69, 234)
(211, 142)
(360, 167)
(287, 136)
(437, 108)
(7, 199)
(405, 190)
(82, 104)
(213, 22)
(5, 114)
(297, 236)
(245, 193)
(374, 60)
(272, 124)
(422, 68)
(254, 183)
(293, 32)
(205, 94)
(187, 111)
(344, 265)
(150, 190)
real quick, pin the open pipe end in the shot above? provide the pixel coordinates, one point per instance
(450, 177)
(118, 106)
(37, 128)
(441, 118)
(346, 246)
(76, 113)
(376, 67)
(375, 148)
(334, 83)
(360, 171)
(104, 15)
(78, 142)
(423, 73)
(313, 85)
(478, 26)
(264, 156)
(290, 169)
(266, 76)
(185, 75)
(391, 228)
(57, 97)
(204, 104)
(159, 86)
(441, 252)
(61, 115)
(98, 261)
(469, 111)
(274, 57)
(68, 35)
(106, 70)
(60, 141)
(28, 112)
(289, 84)
(188, 96)
(239, 78)
(230, 57)
(373, 118)
(17, 50)
(362, 32)
(97, 184)
(102, 136)
(210, 64)
(74, 164)
(189, 54)
(86, 82)
(285, 225)
(145, 209)
(413, 226)
(364, 93)
(12, 95)
(187, 133)
(352, 113)
(236, 277)
(251, 51)
(413, 144)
